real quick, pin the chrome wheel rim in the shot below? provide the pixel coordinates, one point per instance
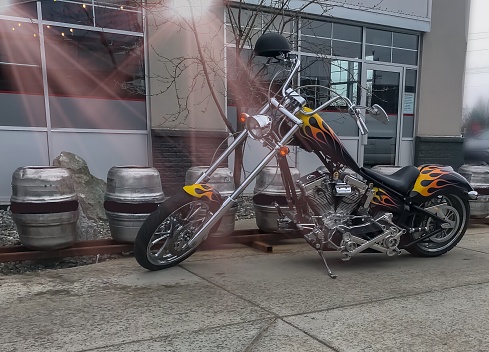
(448, 235)
(170, 241)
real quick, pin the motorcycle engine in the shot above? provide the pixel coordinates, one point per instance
(325, 195)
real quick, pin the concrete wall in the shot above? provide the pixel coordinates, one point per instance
(185, 103)
(442, 70)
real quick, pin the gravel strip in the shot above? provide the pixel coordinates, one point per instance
(10, 237)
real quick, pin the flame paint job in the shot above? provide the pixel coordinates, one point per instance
(203, 191)
(435, 178)
(323, 138)
(383, 199)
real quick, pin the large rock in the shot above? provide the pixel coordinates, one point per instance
(90, 191)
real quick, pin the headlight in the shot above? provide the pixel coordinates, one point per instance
(259, 126)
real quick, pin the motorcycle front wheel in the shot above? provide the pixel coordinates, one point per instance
(163, 239)
(455, 211)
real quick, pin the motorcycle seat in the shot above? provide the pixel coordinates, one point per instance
(401, 181)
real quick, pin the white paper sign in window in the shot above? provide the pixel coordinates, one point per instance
(408, 103)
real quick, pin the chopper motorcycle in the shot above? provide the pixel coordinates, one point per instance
(341, 207)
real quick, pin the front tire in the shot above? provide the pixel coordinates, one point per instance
(455, 211)
(163, 239)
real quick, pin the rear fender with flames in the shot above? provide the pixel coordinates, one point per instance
(435, 180)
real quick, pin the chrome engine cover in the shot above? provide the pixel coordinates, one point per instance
(337, 225)
(320, 189)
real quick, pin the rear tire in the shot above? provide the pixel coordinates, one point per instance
(456, 211)
(162, 240)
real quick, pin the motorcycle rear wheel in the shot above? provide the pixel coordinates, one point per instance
(163, 239)
(456, 211)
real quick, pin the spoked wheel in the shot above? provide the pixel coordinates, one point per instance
(163, 239)
(455, 211)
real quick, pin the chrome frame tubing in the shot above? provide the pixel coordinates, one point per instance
(228, 203)
(204, 178)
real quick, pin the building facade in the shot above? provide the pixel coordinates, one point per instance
(120, 84)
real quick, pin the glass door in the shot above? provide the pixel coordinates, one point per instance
(382, 85)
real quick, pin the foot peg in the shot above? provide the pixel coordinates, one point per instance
(283, 221)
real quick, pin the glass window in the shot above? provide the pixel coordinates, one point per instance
(19, 8)
(316, 28)
(67, 12)
(377, 53)
(250, 40)
(375, 36)
(95, 79)
(102, 64)
(396, 43)
(347, 49)
(409, 104)
(406, 41)
(249, 80)
(19, 43)
(239, 21)
(21, 86)
(316, 45)
(239, 17)
(346, 32)
(20, 59)
(383, 89)
(315, 71)
(278, 23)
(344, 79)
(118, 18)
(407, 57)
(339, 76)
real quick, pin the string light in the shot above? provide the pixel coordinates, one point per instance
(62, 34)
(71, 30)
(84, 6)
(13, 28)
(122, 7)
(19, 24)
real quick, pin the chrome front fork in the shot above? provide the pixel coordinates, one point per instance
(228, 203)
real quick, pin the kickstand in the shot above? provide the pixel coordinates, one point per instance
(330, 273)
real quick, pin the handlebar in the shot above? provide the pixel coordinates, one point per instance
(353, 110)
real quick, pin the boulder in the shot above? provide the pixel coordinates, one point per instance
(89, 188)
(90, 191)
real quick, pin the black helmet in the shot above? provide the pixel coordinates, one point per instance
(271, 45)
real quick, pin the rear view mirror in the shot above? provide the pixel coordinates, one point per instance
(378, 113)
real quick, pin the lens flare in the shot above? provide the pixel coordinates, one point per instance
(187, 8)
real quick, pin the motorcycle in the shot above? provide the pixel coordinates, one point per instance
(341, 207)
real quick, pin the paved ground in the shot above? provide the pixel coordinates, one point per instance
(240, 299)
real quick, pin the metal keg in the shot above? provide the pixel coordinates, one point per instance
(269, 189)
(222, 181)
(44, 207)
(478, 177)
(133, 192)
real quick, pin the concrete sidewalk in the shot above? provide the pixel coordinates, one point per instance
(240, 299)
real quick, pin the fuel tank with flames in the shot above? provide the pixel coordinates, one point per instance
(316, 135)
